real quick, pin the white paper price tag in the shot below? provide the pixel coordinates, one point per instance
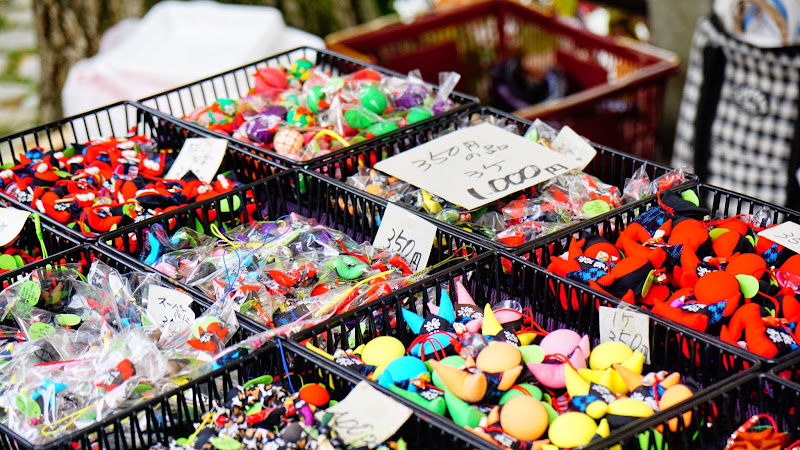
(165, 305)
(11, 223)
(477, 165)
(367, 415)
(201, 156)
(571, 144)
(629, 327)
(786, 234)
(407, 234)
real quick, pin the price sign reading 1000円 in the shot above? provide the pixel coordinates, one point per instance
(477, 165)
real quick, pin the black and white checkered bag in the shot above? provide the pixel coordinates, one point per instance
(739, 123)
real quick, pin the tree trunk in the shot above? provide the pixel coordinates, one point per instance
(67, 31)
(367, 10)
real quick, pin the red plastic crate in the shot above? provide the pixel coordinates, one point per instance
(620, 83)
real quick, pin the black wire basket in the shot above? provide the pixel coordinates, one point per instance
(707, 421)
(42, 242)
(111, 431)
(236, 83)
(174, 414)
(610, 166)
(119, 120)
(789, 371)
(721, 202)
(493, 278)
(337, 206)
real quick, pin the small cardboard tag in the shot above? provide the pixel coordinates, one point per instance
(786, 234)
(627, 326)
(571, 144)
(201, 156)
(367, 416)
(165, 305)
(407, 234)
(11, 222)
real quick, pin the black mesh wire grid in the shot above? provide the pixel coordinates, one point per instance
(113, 430)
(721, 202)
(609, 165)
(119, 120)
(493, 278)
(236, 83)
(336, 206)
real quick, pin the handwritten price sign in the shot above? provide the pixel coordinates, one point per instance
(786, 234)
(11, 223)
(367, 416)
(628, 327)
(570, 143)
(201, 156)
(165, 305)
(407, 234)
(477, 165)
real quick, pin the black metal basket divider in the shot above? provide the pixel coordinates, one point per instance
(611, 166)
(722, 202)
(294, 191)
(118, 120)
(236, 83)
(710, 418)
(83, 256)
(492, 278)
(789, 371)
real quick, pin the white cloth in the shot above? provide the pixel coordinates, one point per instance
(177, 43)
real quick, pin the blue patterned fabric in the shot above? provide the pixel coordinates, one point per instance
(770, 256)
(652, 219)
(648, 394)
(704, 268)
(435, 323)
(583, 276)
(492, 393)
(505, 336)
(355, 364)
(784, 341)
(591, 269)
(586, 262)
(674, 253)
(714, 312)
(596, 392)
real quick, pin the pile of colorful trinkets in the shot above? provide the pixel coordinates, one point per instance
(303, 112)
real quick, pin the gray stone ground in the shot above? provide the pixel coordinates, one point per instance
(19, 67)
